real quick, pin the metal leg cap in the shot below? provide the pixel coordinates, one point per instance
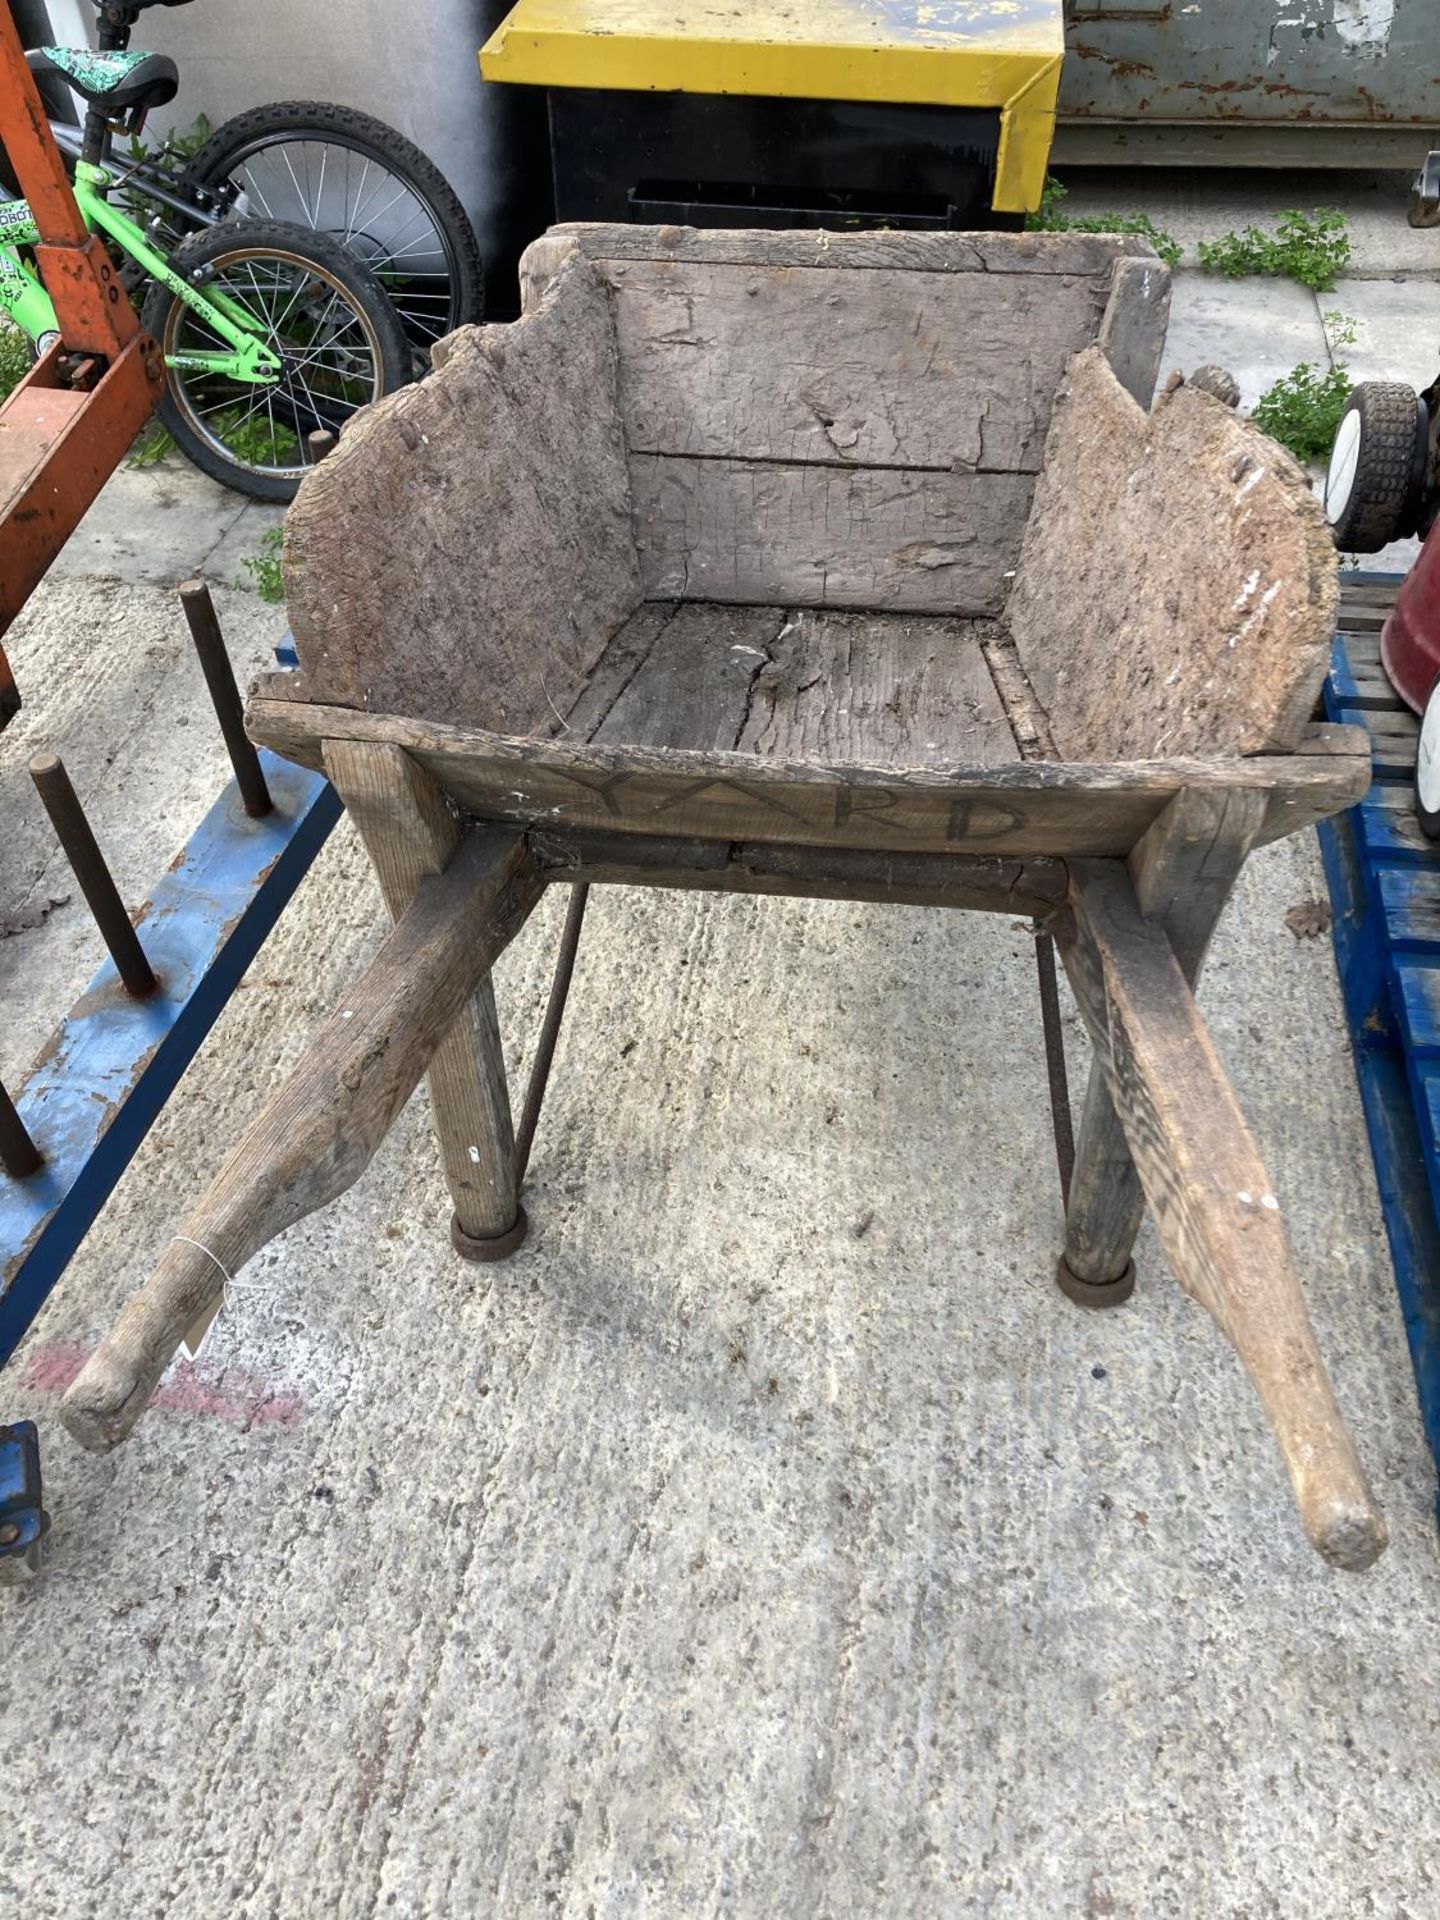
(1095, 1293)
(493, 1246)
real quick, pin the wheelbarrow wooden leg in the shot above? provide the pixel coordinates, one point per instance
(316, 1136)
(1183, 872)
(1210, 1196)
(409, 830)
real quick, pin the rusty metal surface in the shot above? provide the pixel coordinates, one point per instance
(225, 695)
(56, 453)
(495, 1246)
(58, 447)
(1059, 1080)
(19, 1155)
(1095, 1293)
(550, 1029)
(1349, 62)
(93, 314)
(87, 863)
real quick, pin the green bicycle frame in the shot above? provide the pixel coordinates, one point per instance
(23, 296)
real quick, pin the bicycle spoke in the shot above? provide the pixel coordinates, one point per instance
(354, 217)
(329, 363)
(424, 246)
(277, 328)
(390, 203)
(285, 156)
(420, 213)
(371, 209)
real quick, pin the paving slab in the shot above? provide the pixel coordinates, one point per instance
(162, 523)
(1259, 329)
(1396, 329)
(1203, 203)
(770, 1536)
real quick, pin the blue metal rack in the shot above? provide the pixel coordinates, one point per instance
(1384, 878)
(115, 1059)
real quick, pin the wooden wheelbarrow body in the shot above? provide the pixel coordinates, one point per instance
(841, 566)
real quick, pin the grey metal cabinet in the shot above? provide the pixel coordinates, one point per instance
(1360, 78)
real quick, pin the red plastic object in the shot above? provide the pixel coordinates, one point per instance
(1410, 638)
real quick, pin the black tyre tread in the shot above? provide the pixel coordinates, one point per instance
(212, 163)
(1373, 514)
(235, 235)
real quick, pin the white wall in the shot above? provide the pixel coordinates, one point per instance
(413, 64)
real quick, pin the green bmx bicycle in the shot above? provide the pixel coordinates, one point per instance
(270, 332)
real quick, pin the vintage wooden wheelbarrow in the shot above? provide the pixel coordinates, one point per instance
(846, 566)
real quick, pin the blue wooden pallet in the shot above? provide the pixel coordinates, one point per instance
(1384, 878)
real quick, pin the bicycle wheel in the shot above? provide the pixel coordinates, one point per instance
(339, 340)
(347, 174)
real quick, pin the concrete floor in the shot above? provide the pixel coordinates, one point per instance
(1202, 203)
(769, 1537)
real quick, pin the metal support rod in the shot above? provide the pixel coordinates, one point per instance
(1055, 1062)
(225, 697)
(87, 863)
(550, 1030)
(19, 1155)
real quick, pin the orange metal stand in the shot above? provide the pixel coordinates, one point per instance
(66, 427)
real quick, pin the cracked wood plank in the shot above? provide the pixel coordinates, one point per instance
(876, 689)
(882, 369)
(1027, 807)
(819, 536)
(881, 690)
(969, 253)
(979, 882)
(693, 688)
(627, 652)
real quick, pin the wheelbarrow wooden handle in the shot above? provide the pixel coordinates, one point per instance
(1210, 1197)
(316, 1136)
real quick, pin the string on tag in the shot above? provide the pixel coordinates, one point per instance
(195, 1334)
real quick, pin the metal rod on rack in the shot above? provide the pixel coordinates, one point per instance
(19, 1155)
(225, 697)
(87, 863)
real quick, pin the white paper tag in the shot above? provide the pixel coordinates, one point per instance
(196, 1334)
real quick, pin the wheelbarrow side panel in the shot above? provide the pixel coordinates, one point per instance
(468, 547)
(1177, 587)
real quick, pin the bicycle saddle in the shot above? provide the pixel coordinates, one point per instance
(122, 81)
